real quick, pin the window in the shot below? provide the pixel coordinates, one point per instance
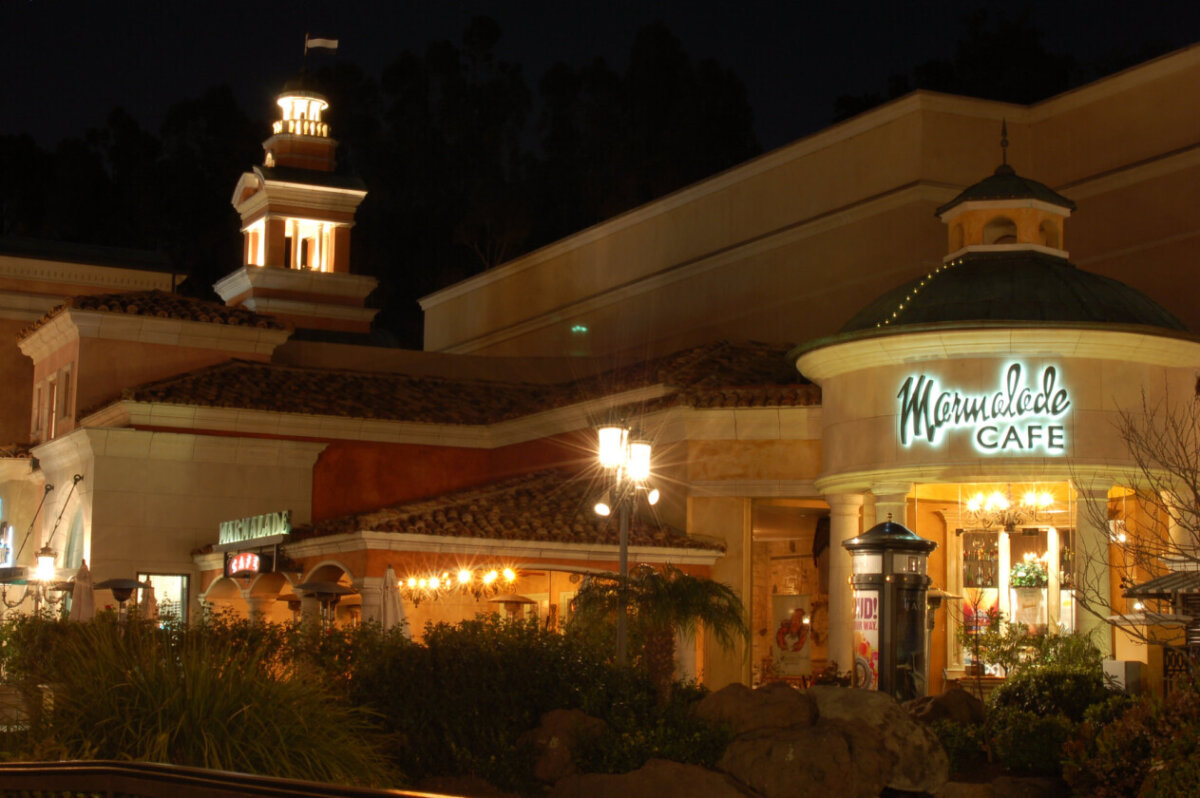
(36, 422)
(6, 543)
(65, 390)
(171, 593)
(51, 406)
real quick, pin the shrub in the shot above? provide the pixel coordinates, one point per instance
(199, 700)
(963, 744)
(1053, 690)
(671, 732)
(1028, 742)
(457, 704)
(1149, 749)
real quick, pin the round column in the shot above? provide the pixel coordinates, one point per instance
(844, 511)
(1092, 573)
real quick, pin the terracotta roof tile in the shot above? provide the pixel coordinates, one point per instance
(19, 451)
(714, 376)
(354, 394)
(551, 505)
(163, 305)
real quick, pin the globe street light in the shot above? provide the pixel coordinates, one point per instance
(627, 466)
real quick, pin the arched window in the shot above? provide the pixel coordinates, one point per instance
(1000, 230)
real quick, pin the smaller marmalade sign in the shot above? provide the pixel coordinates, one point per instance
(244, 530)
(1020, 416)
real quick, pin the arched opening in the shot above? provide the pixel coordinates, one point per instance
(1000, 230)
(225, 596)
(1049, 234)
(272, 598)
(956, 237)
(330, 586)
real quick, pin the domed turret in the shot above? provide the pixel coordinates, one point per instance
(1007, 265)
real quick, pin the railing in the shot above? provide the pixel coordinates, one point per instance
(107, 779)
(1177, 665)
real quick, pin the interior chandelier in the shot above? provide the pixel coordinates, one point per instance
(477, 582)
(997, 510)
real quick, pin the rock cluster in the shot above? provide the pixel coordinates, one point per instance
(831, 741)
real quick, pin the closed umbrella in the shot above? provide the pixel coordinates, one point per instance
(392, 607)
(149, 602)
(83, 597)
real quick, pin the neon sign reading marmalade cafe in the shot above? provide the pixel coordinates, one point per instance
(1017, 417)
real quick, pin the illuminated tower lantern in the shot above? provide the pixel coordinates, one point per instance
(297, 211)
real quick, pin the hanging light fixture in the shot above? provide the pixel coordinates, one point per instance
(45, 570)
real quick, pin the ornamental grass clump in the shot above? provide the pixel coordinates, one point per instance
(136, 692)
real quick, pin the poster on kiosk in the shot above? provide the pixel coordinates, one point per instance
(866, 639)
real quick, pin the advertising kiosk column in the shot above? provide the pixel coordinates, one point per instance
(890, 581)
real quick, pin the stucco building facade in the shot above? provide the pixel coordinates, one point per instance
(478, 454)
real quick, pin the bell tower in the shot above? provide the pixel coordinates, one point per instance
(297, 211)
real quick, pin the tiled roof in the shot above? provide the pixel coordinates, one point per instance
(717, 375)
(19, 451)
(551, 506)
(164, 306)
(354, 394)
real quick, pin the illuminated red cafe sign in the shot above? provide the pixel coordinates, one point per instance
(246, 562)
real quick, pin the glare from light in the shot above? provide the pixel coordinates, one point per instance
(639, 460)
(653, 496)
(612, 446)
(412, 582)
(45, 565)
(603, 506)
(464, 576)
(510, 575)
(490, 577)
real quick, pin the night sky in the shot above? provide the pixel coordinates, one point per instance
(65, 63)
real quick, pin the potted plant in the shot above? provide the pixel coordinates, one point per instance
(1031, 573)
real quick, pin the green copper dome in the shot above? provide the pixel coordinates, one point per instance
(1018, 286)
(1006, 184)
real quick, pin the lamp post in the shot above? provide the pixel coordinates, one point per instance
(626, 462)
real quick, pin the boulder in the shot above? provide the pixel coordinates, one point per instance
(1006, 787)
(956, 704)
(553, 738)
(915, 759)
(772, 706)
(801, 760)
(658, 778)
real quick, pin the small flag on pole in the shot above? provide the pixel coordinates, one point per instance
(313, 43)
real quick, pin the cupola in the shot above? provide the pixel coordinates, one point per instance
(297, 210)
(1006, 212)
(300, 138)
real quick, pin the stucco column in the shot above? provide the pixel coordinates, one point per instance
(890, 499)
(370, 590)
(1181, 554)
(843, 524)
(258, 605)
(1092, 571)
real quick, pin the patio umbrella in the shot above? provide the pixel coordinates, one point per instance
(83, 597)
(391, 611)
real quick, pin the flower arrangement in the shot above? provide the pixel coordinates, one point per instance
(1031, 573)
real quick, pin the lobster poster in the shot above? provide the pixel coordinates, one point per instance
(791, 649)
(866, 639)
